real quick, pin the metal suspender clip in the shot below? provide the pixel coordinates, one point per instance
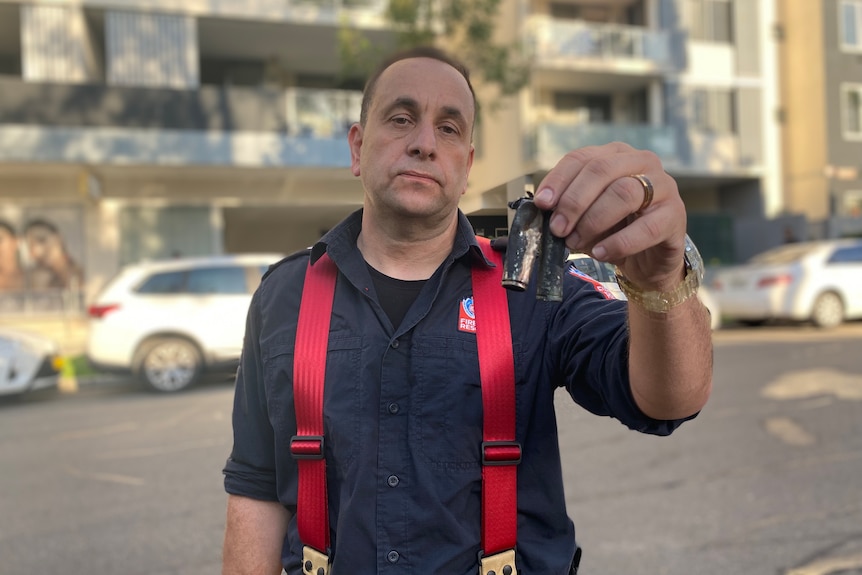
(501, 453)
(306, 446)
(314, 562)
(502, 563)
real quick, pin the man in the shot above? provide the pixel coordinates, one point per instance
(403, 403)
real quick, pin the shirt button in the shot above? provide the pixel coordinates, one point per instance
(393, 556)
(394, 408)
(395, 344)
(392, 480)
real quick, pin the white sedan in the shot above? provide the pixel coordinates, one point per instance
(28, 362)
(604, 273)
(819, 281)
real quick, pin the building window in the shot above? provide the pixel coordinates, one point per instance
(710, 20)
(851, 25)
(714, 111)
(589, 108)
(851, 111)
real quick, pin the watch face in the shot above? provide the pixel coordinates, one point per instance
(693, 259)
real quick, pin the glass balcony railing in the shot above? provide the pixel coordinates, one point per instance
(550, 38)
(213, 125)
(312, 113)
(552, 140)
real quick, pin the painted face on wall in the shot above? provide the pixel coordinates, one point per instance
(44, 244)
(8, 249)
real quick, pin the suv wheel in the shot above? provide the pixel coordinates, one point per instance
(169, 364)
(828, 310)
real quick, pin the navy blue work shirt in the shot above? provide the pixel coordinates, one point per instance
(403, 412)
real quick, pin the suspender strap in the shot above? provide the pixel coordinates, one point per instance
(500, 452)
(312, 339)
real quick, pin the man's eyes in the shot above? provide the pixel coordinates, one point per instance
(448, 129)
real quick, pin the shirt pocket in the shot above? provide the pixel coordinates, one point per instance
(447, 403)
(341, 397)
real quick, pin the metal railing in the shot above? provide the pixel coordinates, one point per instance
(552, 140)
(554, 38)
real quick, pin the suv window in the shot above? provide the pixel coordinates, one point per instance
(851, 254)
(224, 280)
(215, 280)
(161, 283)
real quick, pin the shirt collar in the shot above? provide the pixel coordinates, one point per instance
(340, 241)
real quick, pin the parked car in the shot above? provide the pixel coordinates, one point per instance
(169, 321)
(28, 362)
(819, 281)
(603, 272)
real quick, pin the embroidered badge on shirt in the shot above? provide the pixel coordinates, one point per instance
(466, 316)
(596, 283)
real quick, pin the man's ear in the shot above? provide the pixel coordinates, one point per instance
(354, 140)
(469, 166)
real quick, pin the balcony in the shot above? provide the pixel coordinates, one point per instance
(591, 47)
(552, 140)
(225, 126)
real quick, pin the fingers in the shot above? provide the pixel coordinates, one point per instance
(593, 195)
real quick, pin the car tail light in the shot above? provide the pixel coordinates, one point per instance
(772, 281)
(100, 311)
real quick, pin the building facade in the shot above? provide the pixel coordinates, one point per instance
(821, 83)
(134, 129)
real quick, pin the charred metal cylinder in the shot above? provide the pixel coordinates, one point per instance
(530, 241)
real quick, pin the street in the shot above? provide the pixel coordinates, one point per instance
(767, 480)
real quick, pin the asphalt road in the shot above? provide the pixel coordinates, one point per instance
(767, 480)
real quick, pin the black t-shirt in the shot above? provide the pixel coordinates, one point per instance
(396, 296)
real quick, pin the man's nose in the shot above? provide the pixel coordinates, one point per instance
(424, 142)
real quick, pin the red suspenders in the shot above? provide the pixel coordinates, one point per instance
(500, 452)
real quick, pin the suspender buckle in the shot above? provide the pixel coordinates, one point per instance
(306, 446)
(502, 563)
(314, 562)
(501, 453)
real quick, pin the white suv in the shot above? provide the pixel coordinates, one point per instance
(168, 321)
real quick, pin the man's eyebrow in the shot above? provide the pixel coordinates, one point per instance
(407, 103)
(456, 114)
(411, 105)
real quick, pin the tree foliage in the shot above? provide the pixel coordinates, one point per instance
(464, 27)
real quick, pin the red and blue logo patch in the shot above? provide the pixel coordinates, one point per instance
(467, 316)
(595, 283)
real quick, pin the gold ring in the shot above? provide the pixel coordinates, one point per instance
(648, 191)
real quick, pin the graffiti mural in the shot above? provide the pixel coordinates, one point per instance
(41, 255)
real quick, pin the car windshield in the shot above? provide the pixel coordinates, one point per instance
(602, 271)
(782, 255)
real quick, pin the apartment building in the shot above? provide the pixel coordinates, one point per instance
(821, 83)
(135, 129)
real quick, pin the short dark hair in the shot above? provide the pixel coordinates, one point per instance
(416, 52)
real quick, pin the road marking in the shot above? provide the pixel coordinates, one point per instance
(827, 566)
(813, 383)
(107, 477)
(789, 431)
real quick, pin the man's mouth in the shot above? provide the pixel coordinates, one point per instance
(419, 176)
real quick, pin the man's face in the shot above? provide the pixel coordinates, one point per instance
(414, 153)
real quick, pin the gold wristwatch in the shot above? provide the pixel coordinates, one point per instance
(664, 301)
